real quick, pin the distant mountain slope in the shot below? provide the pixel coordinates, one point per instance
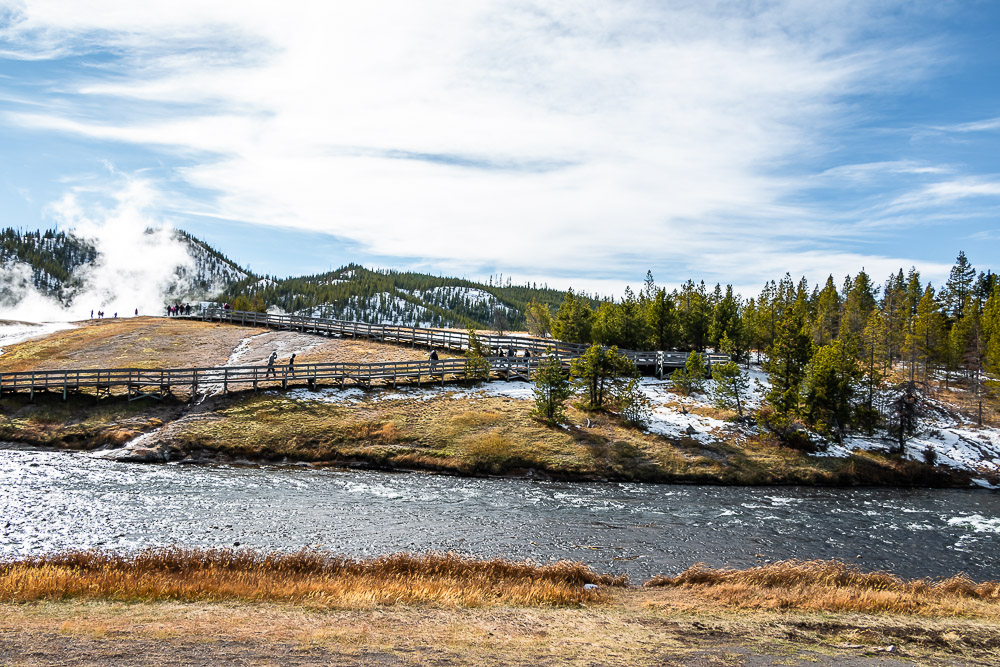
(55, 264)
(43, 260)
(356, 293)
(52, 262)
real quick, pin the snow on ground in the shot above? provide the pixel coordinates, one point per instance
(22, 331)
(955, 444)
(672, 421)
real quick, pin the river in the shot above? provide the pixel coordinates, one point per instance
(51, 501)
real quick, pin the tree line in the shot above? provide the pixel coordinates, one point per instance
(830, 351)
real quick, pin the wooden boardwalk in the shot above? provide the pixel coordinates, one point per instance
(141, 382)
(450, 339)
(512, 357)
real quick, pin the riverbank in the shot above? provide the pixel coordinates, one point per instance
(473, 431)
(483, 430)
(847, 618)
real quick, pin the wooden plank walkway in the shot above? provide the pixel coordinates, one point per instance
(451, 339)
(142, 382)
(157, 383)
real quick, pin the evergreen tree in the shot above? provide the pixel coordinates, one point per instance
(874, 346)
(991, 334)
(828, 388)
(695, 315)
(622, 324)
(599, 371)
(692, 377)
(826, 321)
(726, 320)
(859, 302)
(959, 287)
(895, 317)
(551, 390)
(787, 358)
(477, 366)
(927, 336)
(573, 320)
(661, 321)
(538, 319)
(632, 403)
(732, 384)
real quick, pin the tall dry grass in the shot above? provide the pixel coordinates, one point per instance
(827, 585)
(308, 577)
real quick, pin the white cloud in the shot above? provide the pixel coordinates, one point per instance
(547, 136)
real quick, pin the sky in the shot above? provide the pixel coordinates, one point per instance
(572, 143)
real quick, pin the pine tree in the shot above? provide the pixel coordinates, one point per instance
(874, 346)
(826, 321)
(787, 358)
(695, 315)
(726, 320)
(573, 321)
(692, 377)
(991, 334)
(895, 316)
(859, 302)
(551, 390)
(828, 387)
(927, 335)
(661, 321)
(477, 366)
(732, 385)
(538, 319)
(958, 288)
(598, 371)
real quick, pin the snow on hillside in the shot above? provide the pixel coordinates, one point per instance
(381, 308)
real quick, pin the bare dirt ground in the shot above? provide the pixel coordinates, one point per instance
(626, 632)
(157, 342)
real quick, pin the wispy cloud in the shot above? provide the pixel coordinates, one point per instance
(988, 125)
(592, 139)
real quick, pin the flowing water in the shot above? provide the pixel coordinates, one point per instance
(52, 501)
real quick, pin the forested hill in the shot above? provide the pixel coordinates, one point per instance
(392, 297)
(57, 263)
(45, 261)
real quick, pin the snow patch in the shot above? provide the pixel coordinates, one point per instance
(22, 331)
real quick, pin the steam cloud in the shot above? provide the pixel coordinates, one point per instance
(135, 267)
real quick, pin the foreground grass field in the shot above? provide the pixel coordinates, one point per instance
(183, 607)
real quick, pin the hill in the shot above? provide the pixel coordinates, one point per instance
(56, 264)
(59, 265)
(353, 292)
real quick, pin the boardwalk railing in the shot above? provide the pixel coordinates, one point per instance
(450, 339)
(141, 382)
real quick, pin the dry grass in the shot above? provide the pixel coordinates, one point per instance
(308, 577)
(833, 586)
(159, 342)
(134, 342)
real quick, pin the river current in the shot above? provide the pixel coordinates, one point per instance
(51, 501)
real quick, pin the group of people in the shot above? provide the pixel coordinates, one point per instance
(101, 313)
(178, 309)
(270, 372)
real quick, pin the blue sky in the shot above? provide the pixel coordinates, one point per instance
(572, 143)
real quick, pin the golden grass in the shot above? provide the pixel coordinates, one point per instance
(307, 577)
(833, 586)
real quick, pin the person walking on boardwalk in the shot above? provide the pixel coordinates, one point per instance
(291, 365)
(270, 365)
(433, 356)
